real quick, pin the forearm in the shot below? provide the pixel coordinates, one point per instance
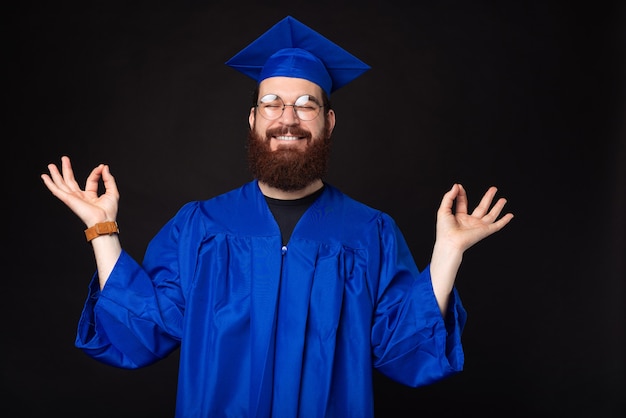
(107, 250)
(444, 265)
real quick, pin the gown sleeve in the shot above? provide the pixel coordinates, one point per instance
(136, 319)
(412, 342)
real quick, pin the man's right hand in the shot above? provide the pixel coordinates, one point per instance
(89, 207)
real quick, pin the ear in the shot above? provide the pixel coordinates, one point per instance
(251, 118)
(330, 120)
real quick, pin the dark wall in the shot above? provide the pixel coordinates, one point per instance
(528, 96)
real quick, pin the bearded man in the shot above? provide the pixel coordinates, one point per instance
(284, 294)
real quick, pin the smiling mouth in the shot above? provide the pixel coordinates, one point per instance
(289, 138)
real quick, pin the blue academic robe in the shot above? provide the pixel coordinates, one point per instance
(267, 330)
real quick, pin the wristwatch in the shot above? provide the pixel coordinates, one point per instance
(102, 228)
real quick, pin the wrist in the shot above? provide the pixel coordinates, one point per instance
(448, 249)
(445, 263)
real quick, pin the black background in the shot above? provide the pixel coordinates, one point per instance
(527, 96)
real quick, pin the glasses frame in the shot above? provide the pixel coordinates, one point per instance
(294, 105)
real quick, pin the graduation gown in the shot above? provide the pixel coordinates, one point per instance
(267, 330)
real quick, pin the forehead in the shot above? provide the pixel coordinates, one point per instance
(289, 88)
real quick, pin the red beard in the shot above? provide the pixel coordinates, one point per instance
(286, 168)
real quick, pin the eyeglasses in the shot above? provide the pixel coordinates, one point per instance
(271, 107)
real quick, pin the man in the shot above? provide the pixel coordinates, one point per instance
(285, 293)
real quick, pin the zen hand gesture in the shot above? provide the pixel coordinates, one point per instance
(461, 229)
(89, 207)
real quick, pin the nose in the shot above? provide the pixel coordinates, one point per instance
(289, 116)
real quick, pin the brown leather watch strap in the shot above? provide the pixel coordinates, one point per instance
(102, 228)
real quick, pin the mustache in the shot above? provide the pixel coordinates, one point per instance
(288, 130)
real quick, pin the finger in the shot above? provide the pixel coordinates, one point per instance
(110, 185)
(68, 174)
(52, 170)
(55, 183)
(57, 180)
(483, 207)
(495, 211)
(502, 222)
(461, 200)
(47, 180)
(447, 201)
(91, 184)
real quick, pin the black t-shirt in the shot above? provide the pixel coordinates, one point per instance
(288, 212)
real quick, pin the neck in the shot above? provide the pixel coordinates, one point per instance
(275, 193)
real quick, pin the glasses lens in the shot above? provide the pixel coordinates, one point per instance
(306, 108)
(271, 106)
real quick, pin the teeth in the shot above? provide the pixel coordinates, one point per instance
(287, 138)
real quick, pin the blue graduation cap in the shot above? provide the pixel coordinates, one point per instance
(292, 49)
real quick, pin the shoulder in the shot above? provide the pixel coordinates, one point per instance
(352, 216)
(222, 206)
(241, 211)
(348, 206)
